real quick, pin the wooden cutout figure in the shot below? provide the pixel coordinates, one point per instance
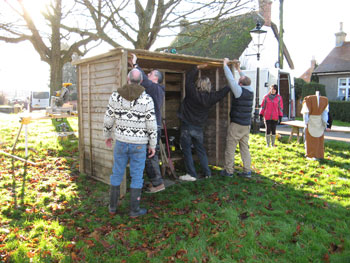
(315, 113)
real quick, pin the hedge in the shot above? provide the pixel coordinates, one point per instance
(311, 88)
(339, 110)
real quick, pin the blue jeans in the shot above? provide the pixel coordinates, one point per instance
(152, 166)
(123, 152)
(193, 134)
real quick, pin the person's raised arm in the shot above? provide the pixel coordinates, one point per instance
(235, 88)
(146, 83)
(133, 60)
(154, 89)
(191, 77)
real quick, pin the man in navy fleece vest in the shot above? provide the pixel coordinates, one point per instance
(152, 84)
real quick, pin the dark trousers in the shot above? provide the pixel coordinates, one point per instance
(152, 166)
(270, 127)
(193, 134)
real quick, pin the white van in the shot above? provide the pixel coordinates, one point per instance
(39, 100)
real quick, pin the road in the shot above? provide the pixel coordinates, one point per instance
(334, 135)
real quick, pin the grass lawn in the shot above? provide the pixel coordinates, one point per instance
(293, 210)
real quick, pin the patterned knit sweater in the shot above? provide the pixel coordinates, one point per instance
(132, 112)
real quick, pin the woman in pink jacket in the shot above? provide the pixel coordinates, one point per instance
(272, 111)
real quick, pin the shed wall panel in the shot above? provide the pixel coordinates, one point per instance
(103, 158)
(98, 79)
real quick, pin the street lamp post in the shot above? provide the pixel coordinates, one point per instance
(258, 35)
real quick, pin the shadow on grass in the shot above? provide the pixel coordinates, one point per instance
(68, 150)
(333, 148)
(66, 137)
(338, 153)
(62, 126)
(332, 163)
(337, 149)
(233, 215)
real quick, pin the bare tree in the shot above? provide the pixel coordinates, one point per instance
(45, 33)
(141, 23)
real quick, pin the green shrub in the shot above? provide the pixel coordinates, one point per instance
(311, 88)
(303, 88)
(298, 87)
(340, 110)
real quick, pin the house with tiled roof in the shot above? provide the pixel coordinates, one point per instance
(334, 71)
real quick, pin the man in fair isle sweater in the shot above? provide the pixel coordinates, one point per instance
(131, 110)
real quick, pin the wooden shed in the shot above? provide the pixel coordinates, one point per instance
(100, 75)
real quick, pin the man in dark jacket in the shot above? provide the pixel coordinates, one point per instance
(240, 115)
(152, 84)
(193, 114)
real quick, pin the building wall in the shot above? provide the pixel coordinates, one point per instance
(331, 84)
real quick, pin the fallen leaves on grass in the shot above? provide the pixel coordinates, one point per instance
(334, 248)
(96, 235)
(296, 233)
(244, 216)
(180, 253)
(269, 206)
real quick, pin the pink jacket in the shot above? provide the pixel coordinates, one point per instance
(272, 109)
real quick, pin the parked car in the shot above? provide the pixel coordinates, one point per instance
(15, 101)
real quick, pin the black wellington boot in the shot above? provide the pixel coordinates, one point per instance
(114, 197)
(135, 197)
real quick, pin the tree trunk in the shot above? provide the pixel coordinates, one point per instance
(55, 57)
(55, 75)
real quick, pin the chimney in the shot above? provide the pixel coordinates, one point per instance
(340, 36)
(265, 11)
(184, 24)
(313, 63)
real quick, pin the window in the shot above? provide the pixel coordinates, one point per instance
(344, 89)
(41, 95)
(342, 92)
(342, 82)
